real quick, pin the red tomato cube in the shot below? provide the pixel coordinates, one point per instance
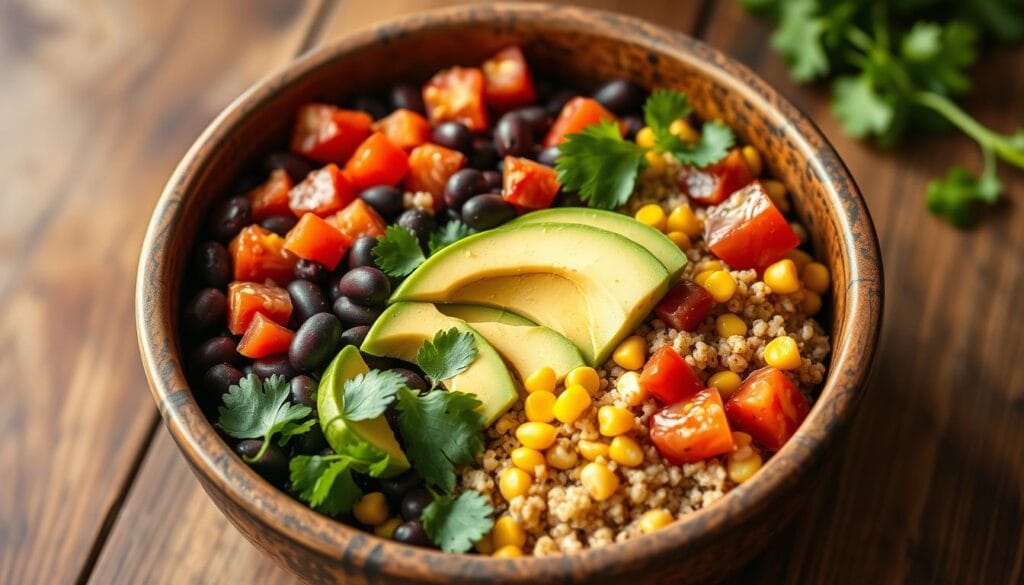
(768, 406)
(577, 114)
(376, 162)
(507, 80)
(669, 378)
(328, 134)
(457, 95)
(430, 166)
(318, 241)
(258, 254)
(247, 299)
(263, 337)
(404, 128)
(712, 184)
(692, 430)
(358, 219)
(271, 198)
(685, 306)
(528, 184)
(323, 192)
(747, 230)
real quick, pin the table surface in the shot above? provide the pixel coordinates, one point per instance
(101, 98)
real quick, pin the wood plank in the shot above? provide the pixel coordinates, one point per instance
(99, 101)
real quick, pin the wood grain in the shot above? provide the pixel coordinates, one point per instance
(99, 101)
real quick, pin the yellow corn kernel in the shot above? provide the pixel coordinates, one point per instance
(561, 457)
(753, 159)
(542, 379)
(729, 324)
(508, 532)
(653, 215)
(811, 303)
(585, 376)
(682, 219)
(721, 285)
(777, 193)
(702, 277)
(799, 257)
(782, 353)
(614, 420)
(536, 435)
(485, 545)
(599, 481)
(527, 459)
(631, 353)
(631, 391)
(571, 403)
(626, 452)
(781, 277)
(654, 520)
(645, 137)
(656, 163)
(514, 482)
(726, 383)
(741, 439)
(800, 231)
(508, 552)
(371, 509)
(712, 265)
(591, 450)
(539, 406)
(680, 239)
(815, 277)
(683, 130)
(387, 528)
(740, 470)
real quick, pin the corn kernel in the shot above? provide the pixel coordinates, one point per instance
(591, 450)
(571, 403)
(682, 219)
(539, 406)
(631, 391)
(542, 379)
(740, 470)
(485, 545)
(508, 532)
(782, 353)
(508, 552)
(652, 215)
(811, 303)
(561, 457)
(514, 482)
(656, 163)
(702, 277)
(536, 435)
(614, 420)
(645, 137)
(726, 383)
(654, 520)
(815, 277)
(741, 439)
(681, 240)
(585, 376)
(387, 528)
(631, 353)
(777, 193)
(729, 324)
(599, 481)
(721, 285)
(800, 231)
(799, 257)
(527, 459)
(626, 452)
(371, 509)
(781, 277)
(683, 130)
(753, 159)
(711, 265)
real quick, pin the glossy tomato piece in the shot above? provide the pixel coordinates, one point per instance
(358, 219)
(323, 192)
(528, 184)
(264, 337)
(747, 230)
(404, 128)
(685, 306)
(329, 134)
(258, 254)
(246, 299)
(692, 430)
(457, 95)
(507, 80)
(318, 241)
(430, 166)
(577, 114)
(271, 197)
(669, 378)
(712, 184)
(377, 161)
(769, 407)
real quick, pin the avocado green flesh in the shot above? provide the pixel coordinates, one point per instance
(340, 432)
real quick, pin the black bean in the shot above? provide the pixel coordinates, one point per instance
(414, 502)
(303, 390)
(408, 97)
(315, 343)
(413, 380)
(280, 224)
(620, 96)
(355, 335)
(633, 125)
(419, 222)
(275, 365)
(484, 156)
(206, 311)
(513, 136)
(462, 185)
(216, 350)
(365, 285)
(536, 117)
(558, 100)
(312, 271)
(309, 442)
(493, 179)
(548, 156)
(352, 314)
(272, 465)
(453, 135)
(213, 264)
(219, 378)
(396, 487)
(370, 105)
(307, 300)
(385, 200)
(361, 252)
(484, 212)
(568, 199)
(229, 217)
(293, 164)
(412, 532)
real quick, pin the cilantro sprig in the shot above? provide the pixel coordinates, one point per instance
(454, 524)
(398, 252)
(448, 234)
(368, 395)
(447, 355)
(255, 409)
(442, 430)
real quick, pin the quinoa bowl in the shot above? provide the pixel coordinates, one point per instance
(580, 48)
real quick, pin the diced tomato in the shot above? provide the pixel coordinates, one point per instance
(669, 378)
(376, 162)
(358, 219)
(528, 184)
(404, 128)
(577, 114)
(430, 166)
(712, 184)
(747, 230)
(258, 254)
(329, 134)
(507, 80)
(271, 198)
(323, 192)
(316, 240)
(263, 337)
(692, 430)
(768, 406)
(685, 306)
(457, 95)
(247, 299)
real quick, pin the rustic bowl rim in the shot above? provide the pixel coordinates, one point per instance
(275, 510)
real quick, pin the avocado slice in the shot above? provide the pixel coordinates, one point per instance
(403, 327)
(664, 249)
(339, 432)
(526, 347)
(590, 285)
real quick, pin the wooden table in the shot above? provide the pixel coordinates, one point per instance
(99, 100)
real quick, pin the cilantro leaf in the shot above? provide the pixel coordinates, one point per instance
(663, 107)
(452, 232)
(398, 252)
(957, 197)
(368, 395)
(454, 524)
(447, 355)
(860, 108)
(600, 165)
(937, 56)
(256, 409)
(325, 482)
(799, 39)
(715, 141)
(441, 430)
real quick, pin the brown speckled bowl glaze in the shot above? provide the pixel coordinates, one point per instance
(582, 47)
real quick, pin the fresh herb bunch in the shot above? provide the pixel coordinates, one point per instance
(897, 67)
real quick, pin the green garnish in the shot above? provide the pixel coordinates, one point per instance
(447, 355)
(448, 234)
(255, 409)
(441, 430)
(325, 482)
(368, 395)
(455, 524)
(398, 252)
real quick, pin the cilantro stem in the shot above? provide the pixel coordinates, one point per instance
(263, 449)
(990, 141)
